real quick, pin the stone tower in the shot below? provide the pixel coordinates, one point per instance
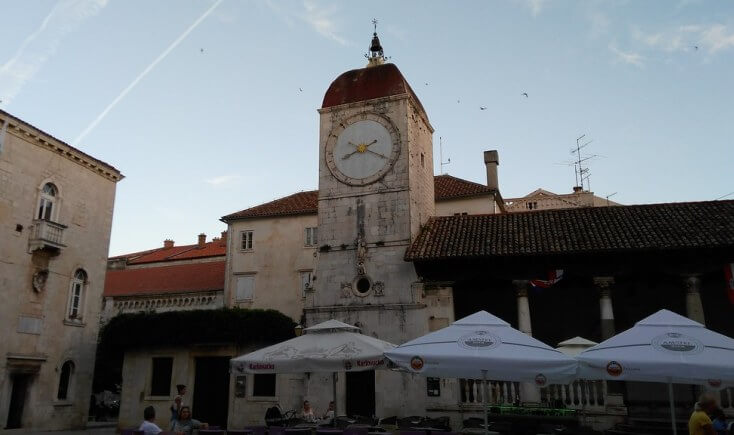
(375, 191)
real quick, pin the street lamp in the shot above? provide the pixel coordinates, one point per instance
(298, 329)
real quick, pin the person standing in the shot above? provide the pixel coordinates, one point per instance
(700, 422)
(185, 424)
(178, 401)
(719, 422)
(307, 412)
(148, 425)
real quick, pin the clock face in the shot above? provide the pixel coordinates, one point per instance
(362, 149)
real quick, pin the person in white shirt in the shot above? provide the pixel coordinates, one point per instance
(148, 426)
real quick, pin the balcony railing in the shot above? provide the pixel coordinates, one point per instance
(47, 235)
(581, 394)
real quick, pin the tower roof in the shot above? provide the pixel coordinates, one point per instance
(366, 84)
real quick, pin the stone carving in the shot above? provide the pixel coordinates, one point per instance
(361, 255)
(346, 289)
(39, 280)
(379, 288)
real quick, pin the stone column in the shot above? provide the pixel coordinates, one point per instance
(529, 392)
(604, 284)
(523, 307)
(694, 307)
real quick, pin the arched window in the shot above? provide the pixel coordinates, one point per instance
(76, 294)
(64, 380)
(47, 201)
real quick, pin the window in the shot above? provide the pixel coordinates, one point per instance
(263, 385)
(433, 387)
(531, 205)
(64, 380)
(246, 240)
(245, 288)
(160, 380)
(306, 284)
(47, 201)
(311, 237)
(76, 294)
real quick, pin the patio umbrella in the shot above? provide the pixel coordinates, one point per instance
(481, 346)
(664, 347)
(331, 346)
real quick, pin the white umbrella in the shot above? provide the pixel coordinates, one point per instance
(664, 347)
(483, 345)
(331, 346)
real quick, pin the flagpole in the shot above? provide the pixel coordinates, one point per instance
(672, 406)
(484, 401)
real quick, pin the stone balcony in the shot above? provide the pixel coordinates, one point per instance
(47, 235)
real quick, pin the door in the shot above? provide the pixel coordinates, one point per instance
(361, 393)
(211, 390)
(17, 399)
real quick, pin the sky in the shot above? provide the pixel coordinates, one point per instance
(210, 106)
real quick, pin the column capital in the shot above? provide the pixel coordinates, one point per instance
(604, 284)
(521, 287)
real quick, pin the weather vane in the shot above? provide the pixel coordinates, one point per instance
(374, 23)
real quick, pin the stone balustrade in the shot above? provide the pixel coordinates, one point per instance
(169, 303)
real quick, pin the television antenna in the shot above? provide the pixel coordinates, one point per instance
(581, 170)
(609, 196)
(440, 154)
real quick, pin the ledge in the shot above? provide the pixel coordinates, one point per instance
(78, 324)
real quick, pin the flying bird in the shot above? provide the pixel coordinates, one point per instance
(482, 107)
(426, 83)
(695, 47)
(525, 94)
(300, 89)
(202, 50)
(458, 101)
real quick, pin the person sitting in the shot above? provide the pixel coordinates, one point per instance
(307, 412)
(329, 414)
(148, 425)
(185, 424)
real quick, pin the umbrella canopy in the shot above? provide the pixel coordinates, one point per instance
(483, 345)
(331, 346)
(664, 347)
(574, 346)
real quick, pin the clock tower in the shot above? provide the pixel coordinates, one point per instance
(375, 191)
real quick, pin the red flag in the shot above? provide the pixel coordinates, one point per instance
(553, 277)
(729, 273)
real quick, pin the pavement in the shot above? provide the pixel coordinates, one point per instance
(92, 429)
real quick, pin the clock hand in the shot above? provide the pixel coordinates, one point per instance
(377, 154)
(346, 156)
(371, 143)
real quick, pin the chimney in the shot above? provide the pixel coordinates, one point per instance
(223, 239)
(577, 189)
(492, 160)
(168, 243)
(202, 240)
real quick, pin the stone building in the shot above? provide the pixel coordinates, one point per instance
(167, 278)
(541, 199)
(56, 206)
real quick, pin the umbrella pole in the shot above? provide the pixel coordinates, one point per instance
(484, 400)
(672, 407)
(333, 387)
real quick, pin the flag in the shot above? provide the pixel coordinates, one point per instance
(553, 277)
(729, 273)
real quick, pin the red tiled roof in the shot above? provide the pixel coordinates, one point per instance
(183, 278)
(96, 160)
(446, 187)
(213, 248)
(366, 84)
(650, 227)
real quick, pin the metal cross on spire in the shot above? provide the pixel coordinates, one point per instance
(374, 23)
(375, 56)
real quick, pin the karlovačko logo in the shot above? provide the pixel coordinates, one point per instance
(347, 365)
(416, 363)
(261, 366)
(540, 380)
(479, 340)
(677, 343)
(614, 368)
(715, 383)
(371, 363)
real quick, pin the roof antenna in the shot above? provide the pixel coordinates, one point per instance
(609, 196)
(440, 154)
(581, 170)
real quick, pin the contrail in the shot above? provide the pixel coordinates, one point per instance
(29, 39)
(145, 72)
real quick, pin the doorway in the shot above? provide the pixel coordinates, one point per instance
(361, 393)
(21, 381)
(211, 390)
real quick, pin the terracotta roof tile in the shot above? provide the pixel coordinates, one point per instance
(211, 249)
(653, 227)
(446, 187)
(183, 278)
(367, 84)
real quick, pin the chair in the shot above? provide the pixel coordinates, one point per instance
(257, 430)
(276, 430)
